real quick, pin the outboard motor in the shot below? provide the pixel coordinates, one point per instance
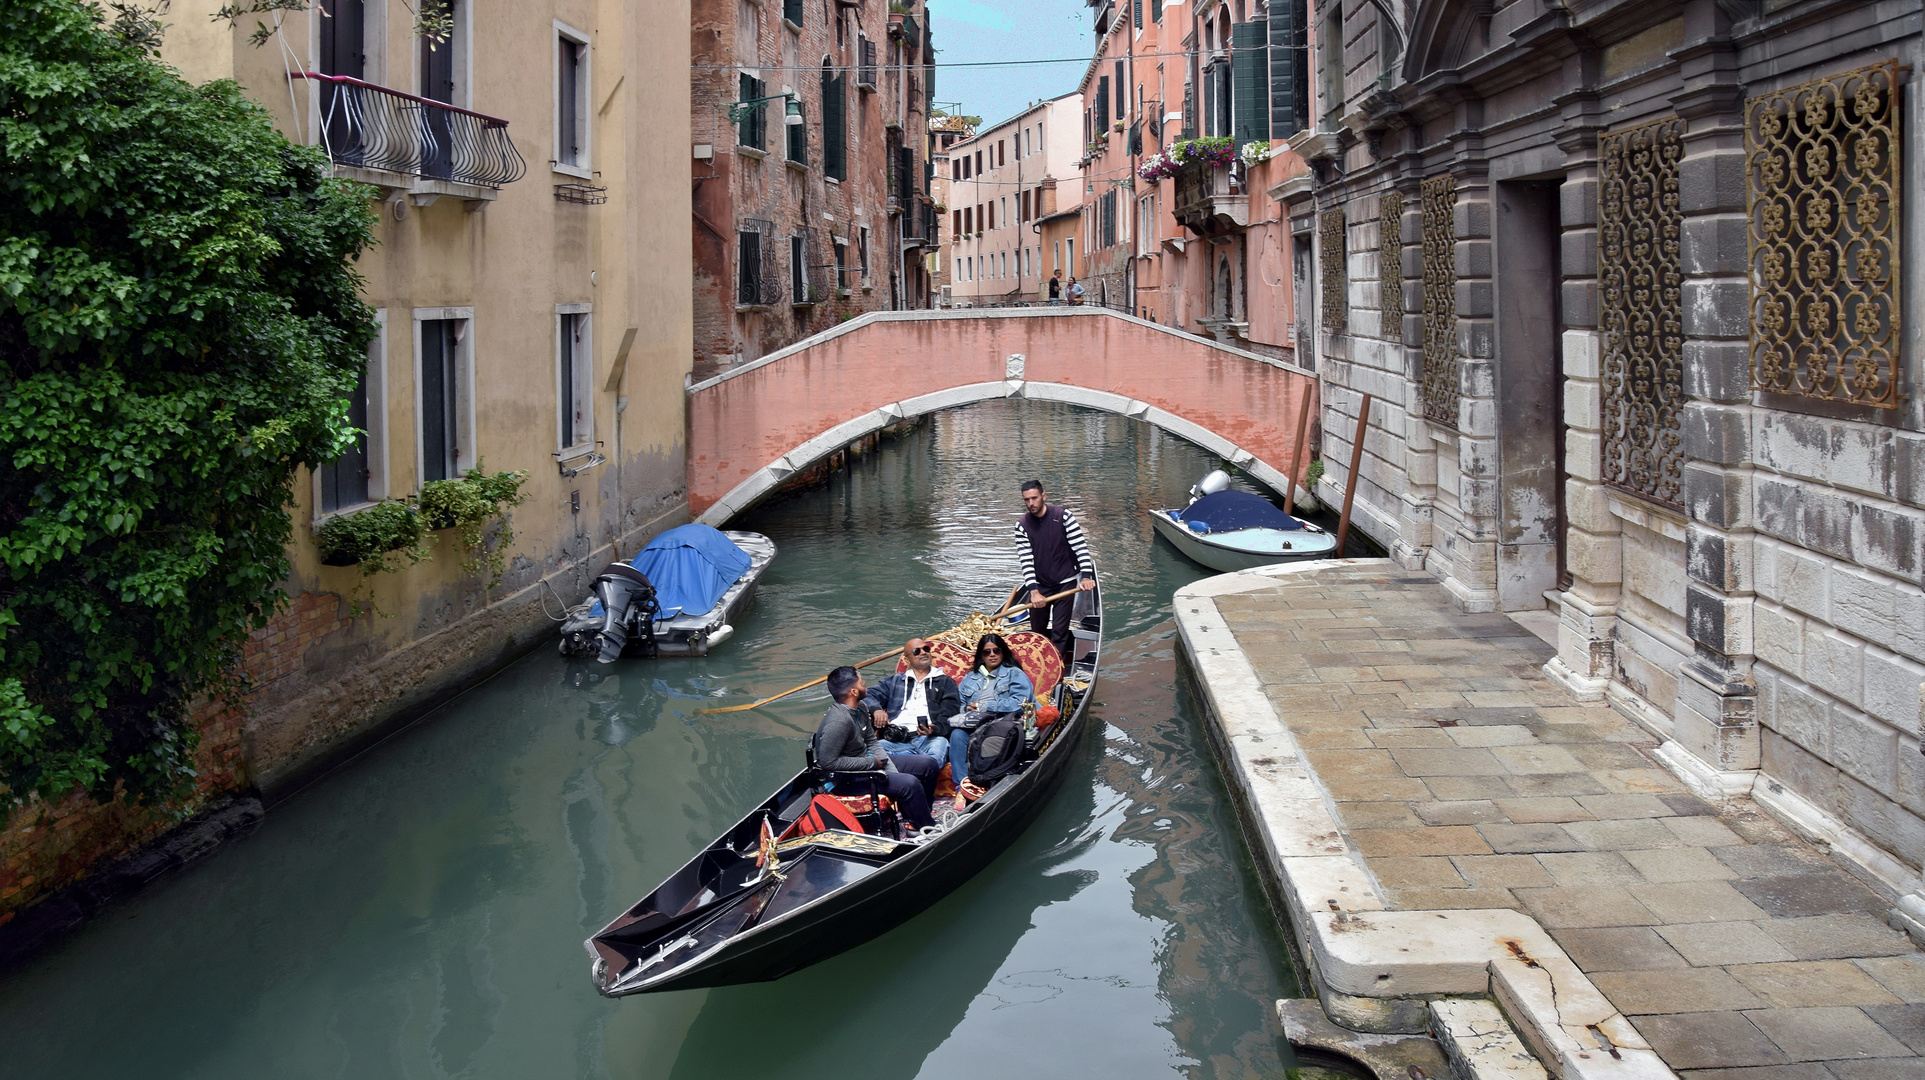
(1210, 485)
(628, 608)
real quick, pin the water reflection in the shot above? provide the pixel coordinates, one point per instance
(421, 912)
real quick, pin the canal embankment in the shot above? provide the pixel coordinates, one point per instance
(1462, 848)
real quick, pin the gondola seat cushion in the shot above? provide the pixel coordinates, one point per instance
(1040, 660)
(861, 804)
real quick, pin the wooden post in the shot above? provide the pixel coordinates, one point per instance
(1350, 482)
(1296, 452)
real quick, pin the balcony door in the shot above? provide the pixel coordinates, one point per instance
(343, 41)
(438, 84)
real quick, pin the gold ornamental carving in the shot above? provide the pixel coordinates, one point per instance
(1441, 391)
(1641, 309)
(1390, 263)
(1334, 284)
(1821, 197)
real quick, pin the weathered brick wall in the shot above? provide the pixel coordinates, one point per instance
(46, 845)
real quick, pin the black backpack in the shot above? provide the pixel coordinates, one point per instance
(995, 749)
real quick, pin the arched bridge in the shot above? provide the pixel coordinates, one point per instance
(751, 428)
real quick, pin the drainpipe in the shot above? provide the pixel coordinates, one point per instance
(1129, 181)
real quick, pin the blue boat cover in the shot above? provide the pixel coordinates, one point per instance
(1229, 510)
(691, 566)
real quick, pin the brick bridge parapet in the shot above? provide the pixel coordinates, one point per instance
(751, 428)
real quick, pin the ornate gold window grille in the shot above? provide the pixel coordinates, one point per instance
(1334, 284)
(1640, 271)
(1390, 262)
(1821, 191)
(1439, 194)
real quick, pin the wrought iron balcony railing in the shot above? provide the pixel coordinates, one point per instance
(367, 126)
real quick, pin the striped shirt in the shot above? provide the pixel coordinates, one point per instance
(1071, 538)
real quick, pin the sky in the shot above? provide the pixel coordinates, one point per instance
(979, 31)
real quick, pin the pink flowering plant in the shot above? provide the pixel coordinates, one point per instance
(1219, 152)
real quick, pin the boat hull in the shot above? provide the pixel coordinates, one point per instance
(1222, 557)
(894, 891)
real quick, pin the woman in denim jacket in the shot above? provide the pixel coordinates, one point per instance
(996, 684)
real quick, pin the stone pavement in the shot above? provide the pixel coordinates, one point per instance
(1462, 778)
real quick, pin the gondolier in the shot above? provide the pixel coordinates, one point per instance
(1054, 556)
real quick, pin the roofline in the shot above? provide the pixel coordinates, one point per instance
(986, 129)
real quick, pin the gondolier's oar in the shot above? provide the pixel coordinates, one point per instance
(864, 664)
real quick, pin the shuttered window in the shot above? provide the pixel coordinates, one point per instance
(1250, 80)
(749, 132)
(1289, 69)
(1102, 107)
(835, 134)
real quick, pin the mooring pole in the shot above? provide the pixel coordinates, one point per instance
(1350, 482)
(1296, 452)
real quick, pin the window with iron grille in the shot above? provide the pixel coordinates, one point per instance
(749, 132)
(1331, 236)
(1821, 196)
(1441, 388)
(758, 282)
(1390, 263)
(1640, 270)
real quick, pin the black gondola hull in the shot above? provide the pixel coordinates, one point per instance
(893, 892)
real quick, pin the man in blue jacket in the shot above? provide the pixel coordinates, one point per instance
(915, 705)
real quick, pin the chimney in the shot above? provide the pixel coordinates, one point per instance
(1048, 189)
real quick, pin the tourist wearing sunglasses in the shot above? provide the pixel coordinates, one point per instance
(995, 686)
(912, 709)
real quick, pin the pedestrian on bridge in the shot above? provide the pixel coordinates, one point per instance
(1055, 556)
(1075, 292)
(1056, 286)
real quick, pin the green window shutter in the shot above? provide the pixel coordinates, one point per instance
(1250, 81)
(1289, 68)
(835, 143)
(798, 136)
(749, 133)
(1102, 106)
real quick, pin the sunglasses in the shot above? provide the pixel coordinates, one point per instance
(924, 651)
(992, 651)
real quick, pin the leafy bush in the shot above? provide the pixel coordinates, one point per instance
(469, 503)
(367, 537)
(179, 328)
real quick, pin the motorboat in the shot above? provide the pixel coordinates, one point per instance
(679, 596)
(1225, 529)
(769, 897)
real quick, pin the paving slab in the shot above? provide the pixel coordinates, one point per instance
(1481, 832)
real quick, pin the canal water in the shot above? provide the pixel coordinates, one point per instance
(420, 912)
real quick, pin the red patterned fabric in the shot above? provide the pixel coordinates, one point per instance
(1035, 652)
(860, 803)
(953, 659)
(1040, 660)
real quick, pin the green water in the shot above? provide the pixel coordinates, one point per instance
(420, 912)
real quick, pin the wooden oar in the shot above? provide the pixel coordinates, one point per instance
(864, 664)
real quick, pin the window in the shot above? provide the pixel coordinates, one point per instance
(862, 252)
(444, 379)
(1145, 224)
(440, 66)
(1102, 107)
(842, 264)
(748, 265)
(956, 225)
(835, 141)
(571, 101)
(750, 131)
(360, 475)
(1056, 259)
(343, 51)
(792, 12)
(1289, 73)
(1250, 79)
(1156, 11)
(979, 163)
(992, 216)
(574, 379)
(799, 270)
(1641, 310)
(1122, 93)
(1106, 236)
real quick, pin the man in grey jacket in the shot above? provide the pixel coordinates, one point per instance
(846, 743)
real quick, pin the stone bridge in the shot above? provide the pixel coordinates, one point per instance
(751, 428)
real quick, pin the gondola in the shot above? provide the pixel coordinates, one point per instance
(1228, 530)
(733, 914)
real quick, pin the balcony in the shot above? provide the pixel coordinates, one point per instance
(1209, 199)
(866, 65)
(444, 149)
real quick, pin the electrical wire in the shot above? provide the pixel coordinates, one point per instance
(969, 63)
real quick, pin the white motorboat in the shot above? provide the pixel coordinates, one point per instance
(678, 597)
(1227, 530)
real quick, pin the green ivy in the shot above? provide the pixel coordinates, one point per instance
(180, 324)
(368, 537)
(469, 504)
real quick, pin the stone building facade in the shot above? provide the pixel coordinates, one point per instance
(1623, 283)
(526, 323)
(999, 182)
(799, 226)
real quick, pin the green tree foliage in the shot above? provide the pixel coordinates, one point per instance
(179, 325)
